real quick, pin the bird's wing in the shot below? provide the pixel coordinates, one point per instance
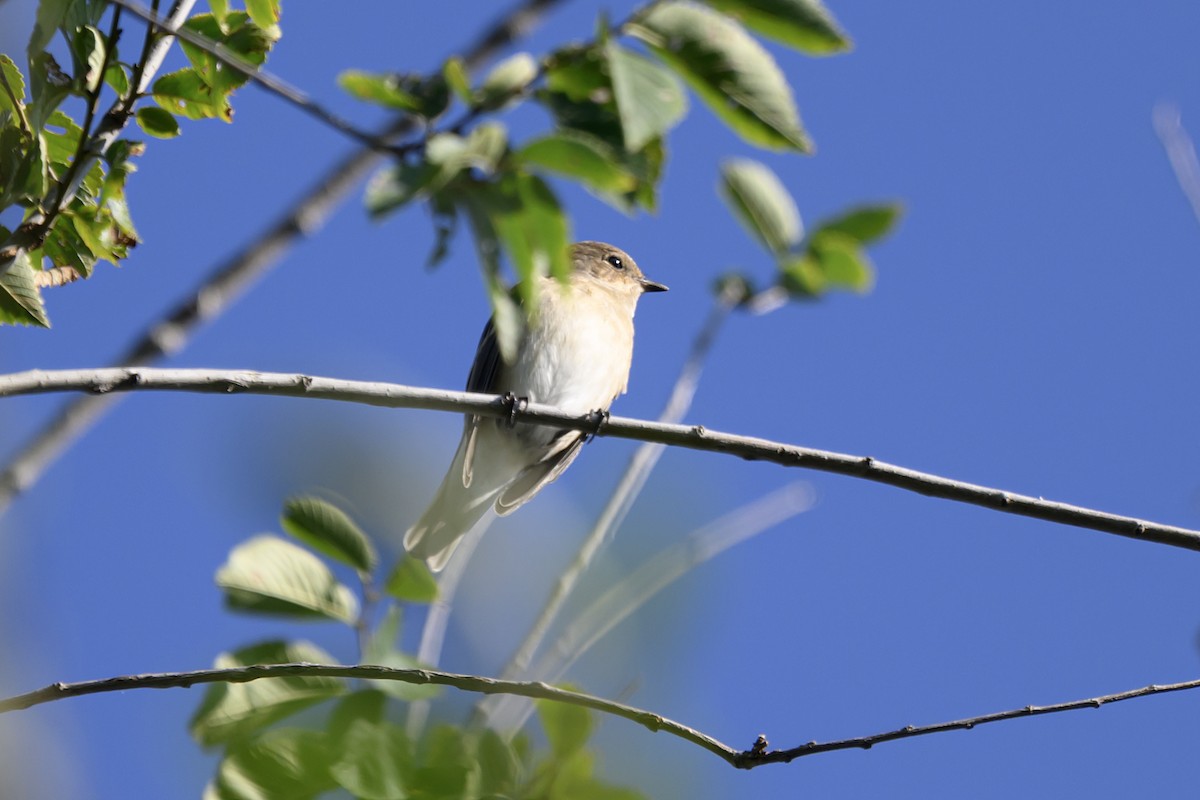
(484, 377)
(533, 478)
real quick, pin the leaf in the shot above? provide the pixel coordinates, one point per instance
(14, 81)
(49, 16)
(89, 51)
(219, 8)
(184, 92)
(567, 726)
(446, 155)
(842, 261)
(20, 299)
(269, 575)
(48, 87)
(329, 530)
(805, 25)
(455, 73)
(506, 81)
(231, 711)
(801, 275)
(412, 93)
(586, 158)
(284, 764)
(157, 122)
(533, 228)
(265, 14)
(649, 99)
(412, 582)
(371, 760)
(761, 203)
(117, 76)
(499, 767)
(728, 70)
(381, 650)
(865, 224)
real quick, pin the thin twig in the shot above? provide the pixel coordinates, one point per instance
(1181, 152)
(636, 589)
(272, 83)
(695, 437)
(234, 277)
(756, 756)
(619, 503)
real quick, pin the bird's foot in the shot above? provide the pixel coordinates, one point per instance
(599, 418)
(515, 406)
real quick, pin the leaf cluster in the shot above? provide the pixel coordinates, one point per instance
(68, 173)
(357, 744)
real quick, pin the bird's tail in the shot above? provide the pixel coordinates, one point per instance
(454, 511)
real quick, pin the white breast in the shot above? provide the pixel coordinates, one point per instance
(577, 351)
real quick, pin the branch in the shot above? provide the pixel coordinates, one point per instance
(695, 437)
(1180, 152)
(756, 756)
(467, 683)
(217, 292)
(275, 85)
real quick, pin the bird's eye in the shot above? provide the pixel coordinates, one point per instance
(616, 262)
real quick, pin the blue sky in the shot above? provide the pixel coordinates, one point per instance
(1032, 328)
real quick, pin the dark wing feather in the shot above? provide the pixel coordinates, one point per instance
(484, 378)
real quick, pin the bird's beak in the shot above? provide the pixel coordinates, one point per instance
(652, 286)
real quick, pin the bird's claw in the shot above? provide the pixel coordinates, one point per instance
(515, 405)
(599, 418)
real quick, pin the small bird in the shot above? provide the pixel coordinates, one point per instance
(574, 353)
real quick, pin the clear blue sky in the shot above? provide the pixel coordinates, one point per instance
(1033, 328)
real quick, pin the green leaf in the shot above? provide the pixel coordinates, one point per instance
(649, 99)
(50, 15)
(842, 261)
(506, 81)
(801, 275)
(400, 92)
(329, 530)
(761, 203)
(371, 760)
(805, 25)
(231, 711)
(265, 14)
(14, 81)
(219, 8)
(730, 71)
(89, 50)
(381, 650)
(455, 73)
(157, 122)
(184, 92)
(412, 582)
(48, 87)
(20, 299)
(534, 230)
(568, 727)
(586, 158)
(284, 764)
(499, 767)
(117, 77)
(269, 575)
(446, 155)
(865, 224)
(64, 248)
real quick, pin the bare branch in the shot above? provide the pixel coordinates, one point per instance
(272, 83)
(1181, 152)
(756, 756)
(231, 279)
(467, 683)
(695, 437)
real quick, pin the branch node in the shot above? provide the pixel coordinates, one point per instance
(699, 432)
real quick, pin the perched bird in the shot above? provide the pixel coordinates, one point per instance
(574, 353)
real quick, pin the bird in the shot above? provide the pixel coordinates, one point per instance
(574, 353)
